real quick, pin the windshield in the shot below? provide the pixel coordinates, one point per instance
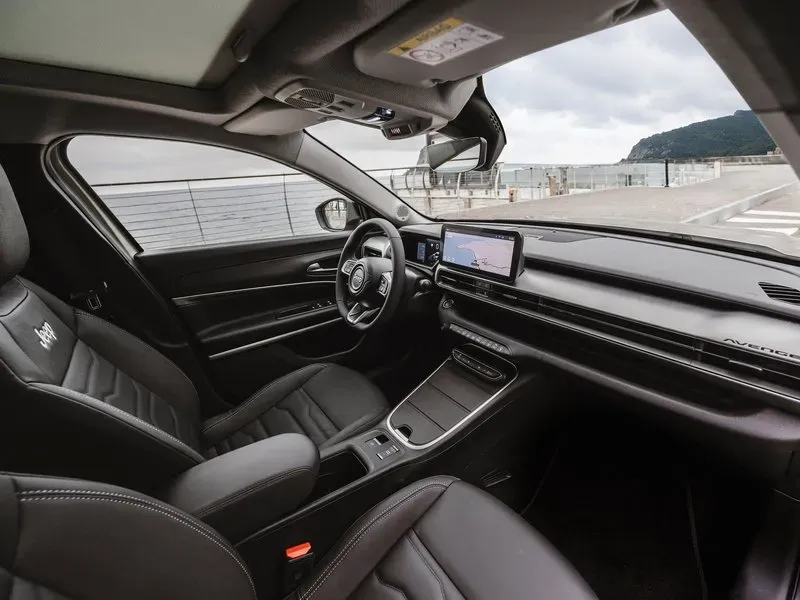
(635, 127)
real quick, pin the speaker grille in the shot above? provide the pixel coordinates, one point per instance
(310, 98)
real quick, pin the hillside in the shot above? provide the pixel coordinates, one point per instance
(739, 134)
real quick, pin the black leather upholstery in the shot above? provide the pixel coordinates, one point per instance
(85, 398)
(68, 539)
(326, 402)
(438, 539)
(73, 411)
(248, 488)
(442, 539)
(14, 245)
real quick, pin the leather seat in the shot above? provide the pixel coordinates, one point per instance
(87, 398)
(438, 539)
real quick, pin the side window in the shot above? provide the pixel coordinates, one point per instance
(174, 194)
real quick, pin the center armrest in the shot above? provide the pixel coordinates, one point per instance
(245, 489)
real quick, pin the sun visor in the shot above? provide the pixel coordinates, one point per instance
(440, 40)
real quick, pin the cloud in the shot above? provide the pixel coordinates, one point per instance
(590, 100)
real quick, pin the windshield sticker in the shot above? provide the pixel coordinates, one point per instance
(444, 41)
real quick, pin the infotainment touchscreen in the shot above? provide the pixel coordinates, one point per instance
(494, 253)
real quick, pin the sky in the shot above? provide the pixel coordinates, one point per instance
(587, 101)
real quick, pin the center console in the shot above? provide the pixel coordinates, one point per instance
(451, 396)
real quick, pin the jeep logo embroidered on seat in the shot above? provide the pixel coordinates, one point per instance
(47, 335)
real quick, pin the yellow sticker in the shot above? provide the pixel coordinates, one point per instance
(447, 40)
(428, 34)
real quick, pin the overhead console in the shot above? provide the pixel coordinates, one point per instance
(394, 123)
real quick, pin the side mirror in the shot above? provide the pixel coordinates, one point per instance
(338, 214)
(455, 156)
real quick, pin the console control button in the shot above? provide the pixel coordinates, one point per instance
(393, 449)
(480, 340)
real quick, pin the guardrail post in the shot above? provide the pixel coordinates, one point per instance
(531, 183)
(666, 172)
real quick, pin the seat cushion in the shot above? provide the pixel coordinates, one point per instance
(326, 402)
(443, 539)
(67, 539)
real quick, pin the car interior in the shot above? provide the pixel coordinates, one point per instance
(359, 412)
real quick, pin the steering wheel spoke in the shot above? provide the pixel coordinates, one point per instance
(360, 313)
(348, 266)
(385, 283)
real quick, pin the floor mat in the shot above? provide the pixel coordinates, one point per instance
(621, 517)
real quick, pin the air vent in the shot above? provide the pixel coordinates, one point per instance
(310, 98)
(781, 293)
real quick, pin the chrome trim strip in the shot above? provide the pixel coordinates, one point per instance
(249, 289)
(455, 427)
(272, 340)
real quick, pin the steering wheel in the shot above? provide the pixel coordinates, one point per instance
(369, 289)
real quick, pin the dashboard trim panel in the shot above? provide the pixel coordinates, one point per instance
(776, 398)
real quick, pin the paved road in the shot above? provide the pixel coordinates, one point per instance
(645, 204)
(781, 215)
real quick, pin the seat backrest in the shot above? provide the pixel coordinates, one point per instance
(78, 395)
(65, 538)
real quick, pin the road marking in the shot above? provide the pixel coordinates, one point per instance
(773, 213)
(767, 220)
(786, 230)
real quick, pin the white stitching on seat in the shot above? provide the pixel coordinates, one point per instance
(146, 506)
(70, 492)
(142, 343)
(425, 560)
(360, 534)
(163, 434)
(235, 411)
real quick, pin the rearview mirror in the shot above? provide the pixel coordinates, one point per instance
(338, 214)
(455, 156)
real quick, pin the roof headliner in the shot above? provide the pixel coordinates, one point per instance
(173, 42)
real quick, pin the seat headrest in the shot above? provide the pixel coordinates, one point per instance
(14, 245)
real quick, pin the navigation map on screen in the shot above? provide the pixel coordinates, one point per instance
(493, 253)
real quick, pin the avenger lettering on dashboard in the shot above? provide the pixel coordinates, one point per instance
(763, 349)
(47, 335)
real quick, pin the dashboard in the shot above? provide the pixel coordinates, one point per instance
(695, 332)
(427, 251)
(421, 250)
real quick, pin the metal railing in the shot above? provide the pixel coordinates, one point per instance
(206, 211)
(435, 194)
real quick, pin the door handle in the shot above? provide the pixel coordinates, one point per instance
(317, 270)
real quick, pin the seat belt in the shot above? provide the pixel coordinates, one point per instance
(62, 258)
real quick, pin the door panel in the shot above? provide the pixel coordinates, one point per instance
(227, 320)
(257, 310)
(198, 270)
